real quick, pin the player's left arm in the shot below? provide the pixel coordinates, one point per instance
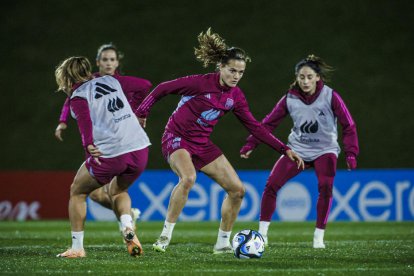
(138, 91)
(270, 122)
(242, 112)
(188, 86)
(349, 130)
(81, 109)
(135, 89)
(63, 120)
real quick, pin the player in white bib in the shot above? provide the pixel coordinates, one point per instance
(108, 61)
(315, 109)
(116, 146)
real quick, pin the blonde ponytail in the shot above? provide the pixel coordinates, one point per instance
(72, 70)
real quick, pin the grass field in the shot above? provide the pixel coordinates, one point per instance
(385, 248)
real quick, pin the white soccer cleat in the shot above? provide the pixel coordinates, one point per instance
(222, 250)
(161, 244)
(318, 238)
(266, 242)
(318, 243)
(135, 214)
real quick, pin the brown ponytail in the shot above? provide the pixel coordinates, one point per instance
(317, 64)
(212, 49)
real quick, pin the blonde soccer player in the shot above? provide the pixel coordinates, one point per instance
(116, 146)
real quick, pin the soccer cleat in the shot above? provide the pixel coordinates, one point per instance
(133, 245)
(318, 243)
(266, 242)
(222, 250)
(318, 238)
(135, 214)
(72, 253)
(161, 244)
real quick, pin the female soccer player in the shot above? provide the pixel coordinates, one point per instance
(108, 59)
(186, 144)
(314, 108)
(115, 142)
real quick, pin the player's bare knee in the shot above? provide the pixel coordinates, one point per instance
(112, 193)
(76, 192)
(237, 193)
(74, 189)
(187, 182)
(95, 195)
(242, 192)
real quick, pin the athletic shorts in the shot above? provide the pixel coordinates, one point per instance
(129, 166)
(201, 155)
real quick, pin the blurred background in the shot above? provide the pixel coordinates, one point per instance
(370, 43)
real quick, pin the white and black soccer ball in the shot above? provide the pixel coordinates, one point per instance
(248, 244)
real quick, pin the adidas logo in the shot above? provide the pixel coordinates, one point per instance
(208, 96)
(102, 90)
(321, 114)
(115, 105)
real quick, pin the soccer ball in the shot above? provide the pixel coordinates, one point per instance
(248, 244)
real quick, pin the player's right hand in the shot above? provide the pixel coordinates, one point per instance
(246, 155)
(246, 150)
(351, 162)
(95, 152)
(143, 122)
(59, 131)
(296, 158)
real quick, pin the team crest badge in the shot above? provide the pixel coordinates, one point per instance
(229, 103)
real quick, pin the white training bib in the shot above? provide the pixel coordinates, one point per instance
(116, 129)
(314, 131)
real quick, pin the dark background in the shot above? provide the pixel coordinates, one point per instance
(370, 43)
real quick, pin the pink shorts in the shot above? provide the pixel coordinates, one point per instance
(129, 166)
(201, 155)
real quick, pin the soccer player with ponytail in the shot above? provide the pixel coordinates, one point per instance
(186, 143)
(115, 143)
(108, 61)
(315, 109)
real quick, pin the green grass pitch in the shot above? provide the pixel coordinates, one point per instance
(373, 248)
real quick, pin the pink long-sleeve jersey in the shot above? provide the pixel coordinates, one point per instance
(204, 101)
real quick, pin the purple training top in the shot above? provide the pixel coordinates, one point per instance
(204, 101)
(135, 89)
